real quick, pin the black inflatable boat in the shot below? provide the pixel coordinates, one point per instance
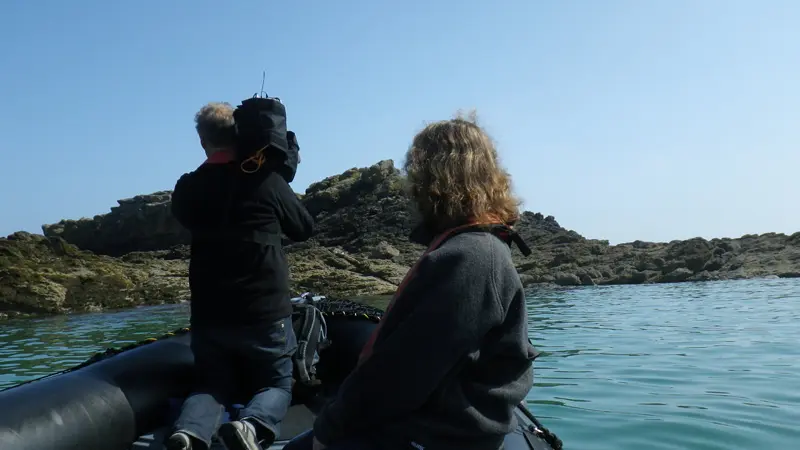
(126, 398)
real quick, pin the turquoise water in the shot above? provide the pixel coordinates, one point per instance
(683, 366)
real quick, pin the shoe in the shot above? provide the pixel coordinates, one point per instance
(178, 441)
(238, 435)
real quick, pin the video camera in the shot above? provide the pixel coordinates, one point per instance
(262, 137)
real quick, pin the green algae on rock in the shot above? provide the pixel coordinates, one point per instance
(47, 275)
(360, 248)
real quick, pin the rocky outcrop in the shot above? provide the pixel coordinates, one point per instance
(141, 223)
(595, 262)
(47, 275)
(137, 253)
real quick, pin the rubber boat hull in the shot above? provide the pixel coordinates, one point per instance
(128, 400)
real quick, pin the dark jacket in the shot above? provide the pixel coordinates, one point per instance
(451, 360)
(238, 272)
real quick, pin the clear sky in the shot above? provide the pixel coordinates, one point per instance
(651, 120)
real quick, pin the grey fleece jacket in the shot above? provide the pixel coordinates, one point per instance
(451, 361)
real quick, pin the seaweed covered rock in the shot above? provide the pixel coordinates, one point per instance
(360, 248)
(48, 275)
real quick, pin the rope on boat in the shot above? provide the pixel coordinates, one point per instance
(329, 307)
(107, 353)
(541, 431)
(550, 437)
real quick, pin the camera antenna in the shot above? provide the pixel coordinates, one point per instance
(261, 93)
(263, 78)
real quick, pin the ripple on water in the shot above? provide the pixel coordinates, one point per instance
(704, 366)
(685, 366)
(34, 348)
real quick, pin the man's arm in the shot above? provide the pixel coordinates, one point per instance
(296, 222)
(459, 306)
(184, 204)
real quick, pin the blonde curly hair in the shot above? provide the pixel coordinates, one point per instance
(455, 177)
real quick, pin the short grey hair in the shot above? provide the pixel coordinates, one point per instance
(215, 125)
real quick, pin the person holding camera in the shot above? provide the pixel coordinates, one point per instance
(237, 205)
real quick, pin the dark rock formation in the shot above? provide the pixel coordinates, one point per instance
(141, 223)
(138, 251)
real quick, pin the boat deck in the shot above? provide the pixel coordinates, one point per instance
(298, 419)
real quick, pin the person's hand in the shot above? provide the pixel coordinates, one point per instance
(318, 445)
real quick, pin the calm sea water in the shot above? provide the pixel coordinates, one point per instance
(684, 366)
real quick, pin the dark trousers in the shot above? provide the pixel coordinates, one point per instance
(305, 441)
(232, 363)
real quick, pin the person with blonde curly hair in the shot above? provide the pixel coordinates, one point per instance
(455, 176)
(450, 359)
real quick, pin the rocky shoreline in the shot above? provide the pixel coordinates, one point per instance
(137, 254)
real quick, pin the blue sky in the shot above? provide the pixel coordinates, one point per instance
(651, 120)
